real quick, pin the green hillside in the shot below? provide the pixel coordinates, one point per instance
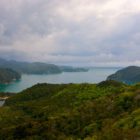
(8, 75)
(38, 67)
(106, 111)
(30, 68)
(128, 75)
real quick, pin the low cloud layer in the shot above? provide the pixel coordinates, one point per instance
(74, 32)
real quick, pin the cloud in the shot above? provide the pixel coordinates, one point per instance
(75, 32)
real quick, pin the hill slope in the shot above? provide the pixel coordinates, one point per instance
(30, 68)
(106, 111)
(130, 74)
(8, 75)
(38, 67)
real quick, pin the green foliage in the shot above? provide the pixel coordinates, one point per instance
(72, 69)
(106, 111)
(38, 67)
(8, 75)
(6, 94)
(129, 75)
(30, 68)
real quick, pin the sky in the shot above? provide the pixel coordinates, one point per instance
(71, 32)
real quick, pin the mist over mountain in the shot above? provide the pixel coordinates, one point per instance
(30, 68)
(37, 67)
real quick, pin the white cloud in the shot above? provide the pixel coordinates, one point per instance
(79, 32)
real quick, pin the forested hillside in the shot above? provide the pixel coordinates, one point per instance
(106, 111)
(8, 75)
(37, 67)
(129, 75)
(30, 68)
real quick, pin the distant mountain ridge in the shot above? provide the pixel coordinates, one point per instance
(30, 68)
(129, 74)
(37, 67)
(73, 69)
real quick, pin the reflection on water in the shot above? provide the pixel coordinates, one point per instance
(92, 76)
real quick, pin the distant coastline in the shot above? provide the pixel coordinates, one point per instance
(28, 80)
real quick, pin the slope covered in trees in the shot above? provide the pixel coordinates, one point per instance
(8, 75)
(30, 68)
(105, 111)
(128, 75)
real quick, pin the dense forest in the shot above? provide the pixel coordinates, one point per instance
(8, 75)
(129, 75)
(106, 111)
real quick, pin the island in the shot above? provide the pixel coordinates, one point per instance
(73, 69)
(129, 75)
(8, 75)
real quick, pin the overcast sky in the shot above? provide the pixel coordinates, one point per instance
(71, 32)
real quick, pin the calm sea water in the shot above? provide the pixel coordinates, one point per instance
(94, 75)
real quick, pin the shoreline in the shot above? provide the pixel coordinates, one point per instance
(4, 98)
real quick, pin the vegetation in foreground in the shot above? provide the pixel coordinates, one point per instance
(105, 111)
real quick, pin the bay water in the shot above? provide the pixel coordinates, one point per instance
(94, 75)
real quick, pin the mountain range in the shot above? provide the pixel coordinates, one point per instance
(37, 67)
(12, 70)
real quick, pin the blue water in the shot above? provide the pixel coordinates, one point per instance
(94, 75)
